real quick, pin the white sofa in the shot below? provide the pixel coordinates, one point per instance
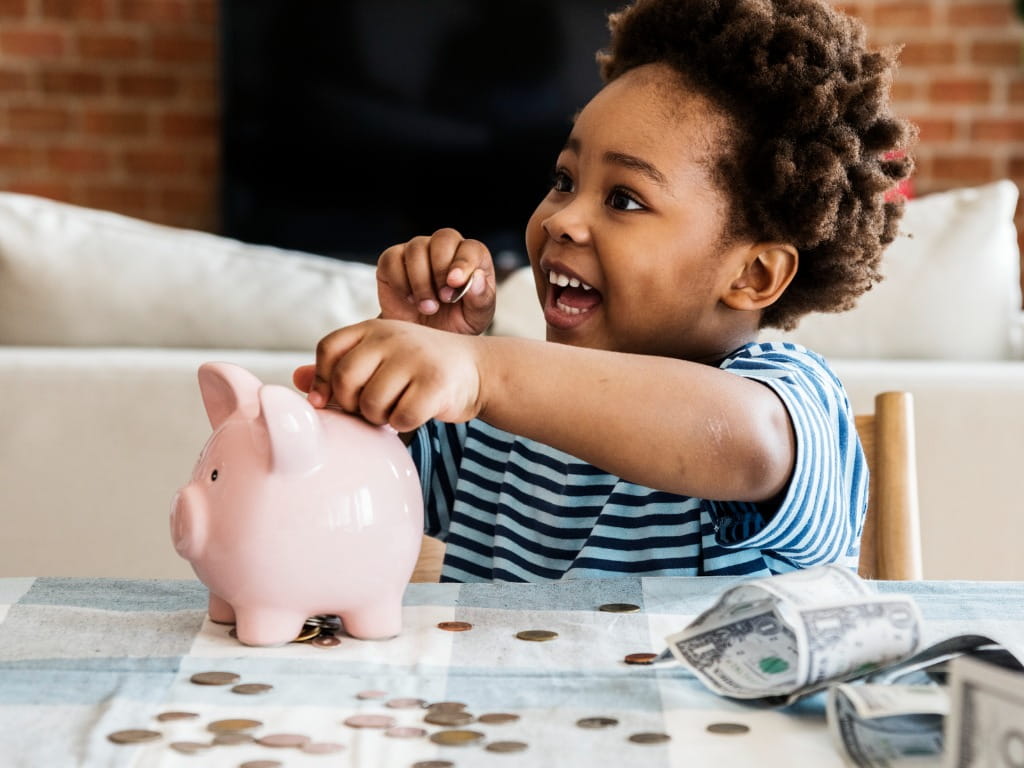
(104, 321)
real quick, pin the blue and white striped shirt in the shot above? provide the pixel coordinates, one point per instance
(512, 509)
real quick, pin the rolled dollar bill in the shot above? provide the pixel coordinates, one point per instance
(985, 725)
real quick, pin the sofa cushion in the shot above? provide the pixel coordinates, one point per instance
(951, 287)
(72, 276)
(950, 291)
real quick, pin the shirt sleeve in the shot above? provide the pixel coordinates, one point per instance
(821, 515)
(436, 450)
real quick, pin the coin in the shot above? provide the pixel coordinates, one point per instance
(233, 724)
(506, 746)
(455, 626)
(619, 608)
(405, 732)
(537, 635)
(458, 293)
(406, 704)
(164, 717)
(371, 694)
(325, 621)
(456, 738)
(322, 748)
(308, 632)
(446, 706)
(214, 678)
(434, 764)
(597, 722)
(188, 747)
(448, 718)
(370, 721)
(251, 689)
(262, 764)
(497, 718)
(283, 740)
(134, 736)
(640, 658)
(649, 738)
(232, 739)
(326, 641)
(728, 728)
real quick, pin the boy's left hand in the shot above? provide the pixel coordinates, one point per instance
(397, 373)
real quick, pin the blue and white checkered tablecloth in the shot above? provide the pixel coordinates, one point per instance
(80, 659)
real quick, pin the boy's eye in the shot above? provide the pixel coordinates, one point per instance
(621, 200)
(560, 182)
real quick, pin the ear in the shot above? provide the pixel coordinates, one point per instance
(228, 388)
(765, 272)
(293, 429)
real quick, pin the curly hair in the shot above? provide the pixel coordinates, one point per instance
(813, 150)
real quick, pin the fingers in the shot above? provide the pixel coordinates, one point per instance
(423, 275)
(302, 377)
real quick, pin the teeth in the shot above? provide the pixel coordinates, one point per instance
(567, 309)
(557, 278)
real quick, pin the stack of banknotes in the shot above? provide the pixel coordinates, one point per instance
(889, 703)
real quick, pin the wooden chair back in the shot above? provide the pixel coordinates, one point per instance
(890, 547)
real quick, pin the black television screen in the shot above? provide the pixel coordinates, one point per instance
(351, 125)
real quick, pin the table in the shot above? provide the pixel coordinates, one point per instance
(80, 659)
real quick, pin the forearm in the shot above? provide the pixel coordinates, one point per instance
(668, 424)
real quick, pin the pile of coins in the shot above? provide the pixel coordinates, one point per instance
(451, 717)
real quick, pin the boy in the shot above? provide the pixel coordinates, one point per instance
(730, 176)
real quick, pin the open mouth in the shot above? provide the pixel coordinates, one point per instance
(569, 300)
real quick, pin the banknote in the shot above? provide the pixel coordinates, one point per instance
(786, 636)
(882, 726)
(985, 725)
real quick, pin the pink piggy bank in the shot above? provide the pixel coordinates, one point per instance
(295, 512)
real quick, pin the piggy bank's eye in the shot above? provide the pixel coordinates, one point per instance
(213, 476)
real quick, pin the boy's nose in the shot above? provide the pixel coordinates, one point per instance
(567, 225)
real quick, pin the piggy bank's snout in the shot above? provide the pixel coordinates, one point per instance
(188, 522)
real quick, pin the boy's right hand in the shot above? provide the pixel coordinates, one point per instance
(417, 280)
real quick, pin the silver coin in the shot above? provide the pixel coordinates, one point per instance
(456, 738)
(370, 721)
(728, 728)
(506, 746)
(252, 689)
(283, 740)
(214, 678)
(233, 724)
(597, 722)
(406, 703)
(446, 706)
(619, 608)
(460, 292)
(649, 738)
(497, 718)
(232, 739)
(189, 747)
(405, 732)
(448, 718)
(134, 736)
(325, 621)
(537, 635)
(322, 748)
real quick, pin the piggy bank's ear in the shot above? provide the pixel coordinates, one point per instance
(228, 388)
(294, 430)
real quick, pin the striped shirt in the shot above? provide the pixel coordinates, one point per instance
(513, 509)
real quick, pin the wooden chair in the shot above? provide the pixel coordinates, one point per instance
(891, 544)
(890, 548)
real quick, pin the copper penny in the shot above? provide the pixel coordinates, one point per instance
(371, 694)
(252, 689)
(370, 721)
(283, 740)
(214, 678)
(322, 748)
(326, 641)
(134, 736)
(497, 718)
(640, 658)
(405, 732)
(188, 747)
(506, 746)
(406, 703)
(164, 717)
(649, 738)
(455, 626)
(729, 729)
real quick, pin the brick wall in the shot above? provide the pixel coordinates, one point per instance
(113, 103)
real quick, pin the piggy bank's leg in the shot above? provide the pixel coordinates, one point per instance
(220, 610)
(375, 621)
(268, 626)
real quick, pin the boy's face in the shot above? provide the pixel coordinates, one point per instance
(634, 223)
